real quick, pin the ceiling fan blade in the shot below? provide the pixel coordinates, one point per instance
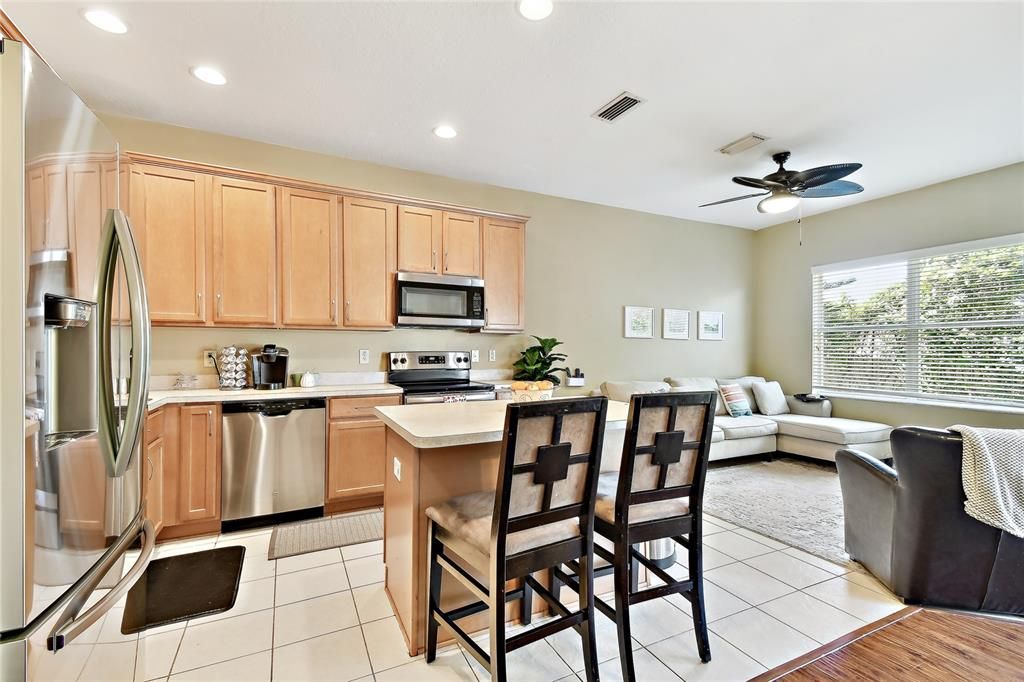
(726, 201)
(836, 188)
(814, 177)
(757, 183)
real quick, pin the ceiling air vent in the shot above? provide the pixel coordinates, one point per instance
(617, 107)
(743, 144)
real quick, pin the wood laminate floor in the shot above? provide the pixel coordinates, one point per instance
(917, 644)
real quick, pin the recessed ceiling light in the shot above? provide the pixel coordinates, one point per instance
(105, 21)
(535, 10)
(446, 132)
(208, 74)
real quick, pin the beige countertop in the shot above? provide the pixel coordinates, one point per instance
(438, 425)
(214, 395)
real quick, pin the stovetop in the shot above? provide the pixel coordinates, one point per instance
(420, 387)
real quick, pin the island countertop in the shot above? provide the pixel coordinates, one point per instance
(439, 425)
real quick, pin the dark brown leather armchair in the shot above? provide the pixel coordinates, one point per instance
(907, 525)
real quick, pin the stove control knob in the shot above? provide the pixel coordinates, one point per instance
(403, 361)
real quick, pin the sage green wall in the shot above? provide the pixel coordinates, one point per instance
(584, 262)
(988, 204)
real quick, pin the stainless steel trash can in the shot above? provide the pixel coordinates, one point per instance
(661, 552)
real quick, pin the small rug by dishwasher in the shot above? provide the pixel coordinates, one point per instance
(797, 503)
(334, 531)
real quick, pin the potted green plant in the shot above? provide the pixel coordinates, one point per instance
(535, 372)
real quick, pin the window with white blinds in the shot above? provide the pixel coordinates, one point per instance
(943, 324)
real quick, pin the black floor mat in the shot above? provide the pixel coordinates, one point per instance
(181, 587)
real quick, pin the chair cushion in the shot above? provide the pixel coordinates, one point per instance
(697, 384)
(736, 403)
(770, 398)
(623, 390)
(745, 383)
(607, 484)
(468, 517)
(831, 429)
(746, 427)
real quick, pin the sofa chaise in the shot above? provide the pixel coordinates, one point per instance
(795, 427)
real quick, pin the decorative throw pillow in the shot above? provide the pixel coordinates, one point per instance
(736, 403)
(770, 398)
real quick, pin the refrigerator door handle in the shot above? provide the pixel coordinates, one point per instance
(71, 624)
(117, 239)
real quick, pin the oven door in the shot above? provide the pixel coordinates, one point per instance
(440, 301)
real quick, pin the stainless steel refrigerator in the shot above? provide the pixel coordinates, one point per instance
(74, 374)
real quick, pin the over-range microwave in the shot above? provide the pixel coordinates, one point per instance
(440, 301)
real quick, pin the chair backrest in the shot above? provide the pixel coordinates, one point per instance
(665, 454)
(550, 457)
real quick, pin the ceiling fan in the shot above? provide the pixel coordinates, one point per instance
(784, 188)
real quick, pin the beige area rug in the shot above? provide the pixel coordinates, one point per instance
(795, 502)
(317, 534)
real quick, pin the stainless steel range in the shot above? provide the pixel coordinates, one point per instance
(436, 377)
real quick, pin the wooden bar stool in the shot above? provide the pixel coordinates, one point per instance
(656, 494)
(541, 515)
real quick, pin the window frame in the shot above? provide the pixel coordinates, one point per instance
(913, 326)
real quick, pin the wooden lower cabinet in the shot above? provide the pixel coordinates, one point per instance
(199, 462)
(355, 453)
(153, 483)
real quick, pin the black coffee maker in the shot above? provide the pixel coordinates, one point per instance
(270, 368)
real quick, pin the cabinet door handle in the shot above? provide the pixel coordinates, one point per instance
(348, 310)
(150, 461)
(446, 260)
(209, 423)
(433, 260)
(334, 309)
(220, 305)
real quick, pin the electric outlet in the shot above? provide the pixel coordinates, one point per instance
(492, 355)
(475, 356)
(364, 356)
(397, 467)
(209, 358)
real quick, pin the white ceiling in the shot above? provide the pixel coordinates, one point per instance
(917, 92)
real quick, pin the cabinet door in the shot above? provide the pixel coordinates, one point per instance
(82, 499)
(154, 483)
(35, 197)
(368, 262)
(85, 221)
(504, 274)
(55, 185)
(461, 242)
(419, 240)
(199, 472)
(309, 258)
(168, 209)
(355, 459)
(244, 252)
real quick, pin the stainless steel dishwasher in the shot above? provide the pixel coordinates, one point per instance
(274, 457)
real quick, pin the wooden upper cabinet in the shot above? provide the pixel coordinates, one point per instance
(461, 243)
(419, 239)
(46, 190)
(168, 211)
(199, 461)
(369, 233)
(244, 265)
(86, 210)
(309, 258)
(504, 255)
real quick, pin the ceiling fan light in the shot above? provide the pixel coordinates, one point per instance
(778, 202)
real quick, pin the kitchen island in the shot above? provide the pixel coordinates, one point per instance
(436, 452)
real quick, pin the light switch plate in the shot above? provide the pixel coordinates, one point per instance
(492, 355)
(397, 467)
(474, 356)
(364, 356)
(209, 358)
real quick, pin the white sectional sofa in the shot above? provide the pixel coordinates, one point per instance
(807, 429)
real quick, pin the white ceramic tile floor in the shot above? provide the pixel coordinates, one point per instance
(325, 616)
